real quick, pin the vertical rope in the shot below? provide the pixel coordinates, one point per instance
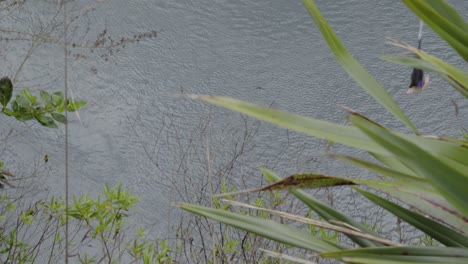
(420, 33)
(65, 40)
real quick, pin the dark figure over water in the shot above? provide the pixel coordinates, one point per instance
(418, 81)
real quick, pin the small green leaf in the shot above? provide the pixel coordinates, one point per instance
(45, 97)
(71, 107)
(15, 106)
(24, 117)
(31, 98)
(50, 107)
(140, 232)
(10, 206)
(23, 101)
(216, 202)
(61, 108)
(39, 109)
(6, 91)
(80, 103)
(57, 98)
(7, 112)
(46, 121)
(59, 118)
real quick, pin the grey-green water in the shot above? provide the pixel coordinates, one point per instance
(139, 130)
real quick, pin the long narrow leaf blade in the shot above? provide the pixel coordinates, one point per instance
(422, 197)
(412, 62)
(398, 255)
(342, 134)
(307, 181)
(445, 21)
(394, 163)
(384, 171)
(424, 200)
(404, 260)
(449, 13)
(264, 227)
(347, 135)
(419, 196)
(438, 147)
(354, 68)
(402, 251)
(441, 233)
(450, 182)
(325, 211)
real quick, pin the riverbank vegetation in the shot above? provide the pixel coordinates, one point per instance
(428, 175)
(421, 180)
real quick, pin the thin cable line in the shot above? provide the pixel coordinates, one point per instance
(420, 33)
(421, 23)
(66, 124)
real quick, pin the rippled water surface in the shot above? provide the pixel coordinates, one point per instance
(139, 129)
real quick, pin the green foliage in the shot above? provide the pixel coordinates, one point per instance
(428, 174)
(354, 68)
(6, 91)
(101, 222)
(26, 106)
(149, 252)
(445, 21)
(103, 216)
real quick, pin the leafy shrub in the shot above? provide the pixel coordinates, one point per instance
(99, 231)
(26, 107)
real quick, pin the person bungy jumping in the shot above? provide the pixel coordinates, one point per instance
(418, 80)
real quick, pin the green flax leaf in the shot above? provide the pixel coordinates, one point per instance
(441, 233)
(307, 181)
(445, 21)
(326, 212)
(449, 180)
(354, 68)
(264, 227)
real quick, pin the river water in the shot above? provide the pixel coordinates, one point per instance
(138, 127)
